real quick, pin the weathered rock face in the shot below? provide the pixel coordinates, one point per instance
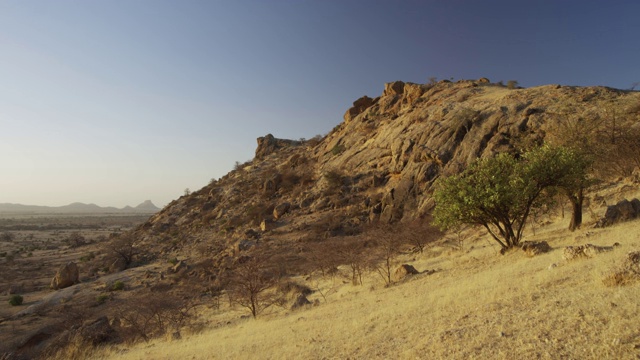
(66, 276)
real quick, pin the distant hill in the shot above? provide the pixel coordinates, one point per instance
(146, 207)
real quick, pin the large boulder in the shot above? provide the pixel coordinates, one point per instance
(66, 276)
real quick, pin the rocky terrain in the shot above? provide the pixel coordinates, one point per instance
(379, 166)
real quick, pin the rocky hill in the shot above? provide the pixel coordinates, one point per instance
(379, 163)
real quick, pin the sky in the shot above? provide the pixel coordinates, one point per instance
(120, 101)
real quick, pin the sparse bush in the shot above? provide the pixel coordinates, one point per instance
(334, 178)
(173, 261)
(100, 299)
(512, 84)
(15, 300)
(117, 286)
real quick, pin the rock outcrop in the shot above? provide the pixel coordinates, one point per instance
(269, 144)
(585, 251)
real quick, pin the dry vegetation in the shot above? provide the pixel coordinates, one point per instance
(477, 304)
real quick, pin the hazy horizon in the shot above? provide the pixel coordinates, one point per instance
(118, 102)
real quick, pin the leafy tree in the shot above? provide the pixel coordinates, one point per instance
(499, 193)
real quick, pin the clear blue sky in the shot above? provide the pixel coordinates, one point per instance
(115, 102)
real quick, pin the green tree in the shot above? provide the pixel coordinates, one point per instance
(499, 193)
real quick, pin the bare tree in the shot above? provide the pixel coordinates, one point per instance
(251, 282)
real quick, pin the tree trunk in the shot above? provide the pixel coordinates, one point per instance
(576, 215)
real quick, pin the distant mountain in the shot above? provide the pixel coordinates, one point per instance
(146, 207)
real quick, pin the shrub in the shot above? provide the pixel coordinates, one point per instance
(512, 84)
(15, 300)
(102, 298)
(117, 286)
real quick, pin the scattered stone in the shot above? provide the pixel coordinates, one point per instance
(266, 225)
(281, 209)
(587, 250)
(66, 276)
(533, 248)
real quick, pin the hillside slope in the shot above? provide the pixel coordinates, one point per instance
(475, 305)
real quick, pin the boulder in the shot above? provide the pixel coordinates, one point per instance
(483, 80)
(533, 248)
(281, 209)
(403, 271)
(66, 276)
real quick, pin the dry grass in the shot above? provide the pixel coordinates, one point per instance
(478, 305)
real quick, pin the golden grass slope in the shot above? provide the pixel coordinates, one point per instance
(478, 305)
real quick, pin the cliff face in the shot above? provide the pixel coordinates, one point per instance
(380, 163)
